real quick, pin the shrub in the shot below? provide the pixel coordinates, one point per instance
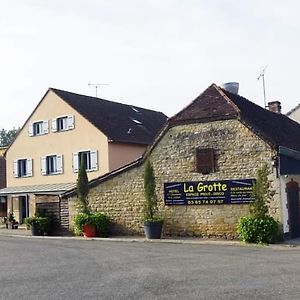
(99, 220)
(259, 227)
(258, 230)
(150, 206)
(40, 222)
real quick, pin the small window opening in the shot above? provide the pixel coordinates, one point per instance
(205, 160)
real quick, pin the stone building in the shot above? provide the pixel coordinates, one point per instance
(205, 160)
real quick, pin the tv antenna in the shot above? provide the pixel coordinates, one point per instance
(262, 75)
(96, 86)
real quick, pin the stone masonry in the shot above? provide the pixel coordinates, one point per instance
(239, 153)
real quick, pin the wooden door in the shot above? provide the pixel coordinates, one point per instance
(292, 189)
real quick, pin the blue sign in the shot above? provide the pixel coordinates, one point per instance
(237, 191)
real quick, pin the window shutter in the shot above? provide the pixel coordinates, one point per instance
(54, 125)
(205, 161)
(16, 169)
(29, 168)
(59, 164)
(75, 162)
(94, 160)
(45, 127)
(70, 122)
(30, 129)
(43, 165)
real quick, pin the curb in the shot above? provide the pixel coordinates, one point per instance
(166, 241)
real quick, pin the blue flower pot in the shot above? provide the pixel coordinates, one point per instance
(153, 229)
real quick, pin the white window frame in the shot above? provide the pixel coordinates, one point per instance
(28, 168)
(58, 162)
(93, 160)
(44, 128)
(68, 122)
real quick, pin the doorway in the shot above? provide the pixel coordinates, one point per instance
(24, 208)
(292, 189)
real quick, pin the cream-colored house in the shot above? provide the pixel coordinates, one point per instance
(3, 205)
(64, 128)
(294, 113)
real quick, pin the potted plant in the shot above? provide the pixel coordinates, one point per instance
(38, 225)
(84, 223)
(91, 224)
(152, 222)
(10, 221)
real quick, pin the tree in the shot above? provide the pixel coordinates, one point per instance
(83, 185)
(8, 136)
(261, 193)
(150, 207)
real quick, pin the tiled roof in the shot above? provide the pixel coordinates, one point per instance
(217, 104)
(59, 188)
(119, 122)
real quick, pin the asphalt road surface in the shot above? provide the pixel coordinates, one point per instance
(73, 269)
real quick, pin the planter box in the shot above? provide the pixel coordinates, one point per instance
(36, 230)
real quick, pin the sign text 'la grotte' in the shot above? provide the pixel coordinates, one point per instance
(238, 191)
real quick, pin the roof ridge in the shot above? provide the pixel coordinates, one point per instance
(106, 100)
(190, 103)
(228, 100)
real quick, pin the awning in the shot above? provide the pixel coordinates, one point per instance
(42, 189)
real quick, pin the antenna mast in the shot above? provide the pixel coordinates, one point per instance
(262, 75)
(96, 86)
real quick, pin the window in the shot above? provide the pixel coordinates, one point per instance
(51, 164)
(86, 157)
(89, 157)
(63, 123)
(38, 128)
(205, 160)
(23, 167)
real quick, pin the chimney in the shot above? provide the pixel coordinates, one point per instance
(275, 106)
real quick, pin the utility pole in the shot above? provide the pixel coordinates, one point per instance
(262, 75)
(96, 86)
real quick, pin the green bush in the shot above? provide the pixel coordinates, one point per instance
(40, 222)
(258, 230)
(99, 220)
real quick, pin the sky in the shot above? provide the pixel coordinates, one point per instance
(155, 54)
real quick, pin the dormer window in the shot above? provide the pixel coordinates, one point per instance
(136, 121)
(63, 123)
(135, 109)
(205, 160)
(38, 128)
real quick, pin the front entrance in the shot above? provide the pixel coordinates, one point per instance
(3, 207)
(292, 189)
(24, 208)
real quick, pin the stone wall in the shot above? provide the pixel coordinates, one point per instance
(239, 153)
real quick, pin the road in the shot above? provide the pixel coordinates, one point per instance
(79, 269)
